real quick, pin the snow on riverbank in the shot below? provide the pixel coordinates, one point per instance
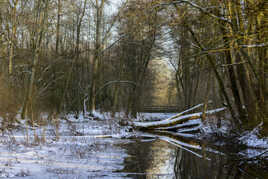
(82, 146)
(209, 127)
(79, 149)
(142, 116)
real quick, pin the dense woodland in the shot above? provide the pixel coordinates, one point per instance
(70, 56)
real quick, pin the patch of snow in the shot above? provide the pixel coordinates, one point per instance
(100, 115)
(153, 116)
(190, 129)
(141, 116)
(209, 126)
(68, 156)
(251, 153)
(255, 141)
(108, 115)
(252, 139)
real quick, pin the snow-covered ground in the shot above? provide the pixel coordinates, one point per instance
(78, 148)
(142, 116)
(86, 148)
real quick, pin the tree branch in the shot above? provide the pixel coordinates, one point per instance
(201, 9)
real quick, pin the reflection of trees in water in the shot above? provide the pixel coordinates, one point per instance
(150, 160)
(197, 160)
(173, 156)
(138, 159)
(162, 162)
(189, 166)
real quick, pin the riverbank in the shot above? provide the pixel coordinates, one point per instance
(86, 148)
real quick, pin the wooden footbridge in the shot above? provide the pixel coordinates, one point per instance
(160, 109)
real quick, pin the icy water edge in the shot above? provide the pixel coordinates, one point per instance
(103, 149)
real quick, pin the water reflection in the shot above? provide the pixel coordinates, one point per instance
(163, 160)
(196, 160)
(150, 159)
(217, 167)
(166, 155)
(97, 154)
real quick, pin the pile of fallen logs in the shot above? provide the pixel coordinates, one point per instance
(181, 122)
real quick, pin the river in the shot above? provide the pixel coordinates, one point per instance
(103, 149)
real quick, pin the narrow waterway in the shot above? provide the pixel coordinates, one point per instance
(102, 149)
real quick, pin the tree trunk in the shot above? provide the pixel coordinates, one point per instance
(39, 32)
(175, 120)
(13, 36)
(97, 54)
(58, 26)
(219, 79)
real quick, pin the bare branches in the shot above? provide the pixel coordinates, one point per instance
(114, 82)
(201, 9)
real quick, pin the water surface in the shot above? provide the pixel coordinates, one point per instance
(102, 149)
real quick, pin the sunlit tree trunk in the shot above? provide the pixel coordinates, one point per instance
(13, 34)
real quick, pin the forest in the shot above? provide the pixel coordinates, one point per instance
(65, 64)
(71, 56)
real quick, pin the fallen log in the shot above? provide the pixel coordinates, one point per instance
(174, 120)
(187, 124)
(190, 130)
(188, 110)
